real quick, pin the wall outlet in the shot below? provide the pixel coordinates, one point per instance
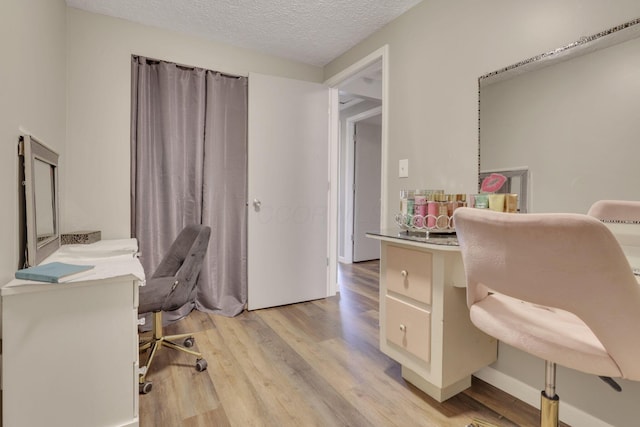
(403, 168)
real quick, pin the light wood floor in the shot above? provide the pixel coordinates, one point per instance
(310, 364)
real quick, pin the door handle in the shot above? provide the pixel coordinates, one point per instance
(256, 204)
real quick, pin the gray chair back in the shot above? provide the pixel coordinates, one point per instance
(183, 261)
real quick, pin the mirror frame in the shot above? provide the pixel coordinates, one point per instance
(31, 149)
(583, 46)
(618, 34)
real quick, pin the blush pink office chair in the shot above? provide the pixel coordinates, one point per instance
(557, 286)
(622, 211)
(622, 217)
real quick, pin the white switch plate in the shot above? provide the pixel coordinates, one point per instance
(403, 168)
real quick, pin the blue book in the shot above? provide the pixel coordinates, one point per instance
(54, 272)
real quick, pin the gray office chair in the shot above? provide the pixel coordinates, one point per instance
(170, 287)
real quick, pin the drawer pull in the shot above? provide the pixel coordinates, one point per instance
(404, 273)
(403, 328)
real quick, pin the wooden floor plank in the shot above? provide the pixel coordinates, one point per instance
(316, 363)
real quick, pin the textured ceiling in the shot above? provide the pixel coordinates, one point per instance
(309, 31)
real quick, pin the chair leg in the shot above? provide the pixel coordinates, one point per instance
(549, 400)
(167, 343)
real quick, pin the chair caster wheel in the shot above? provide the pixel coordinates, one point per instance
(145, 387)
(189, 342)
(201, 365)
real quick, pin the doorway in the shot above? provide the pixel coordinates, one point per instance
(352, 99)
(367, 139)
(360, 175)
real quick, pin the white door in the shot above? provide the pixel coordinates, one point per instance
(288, 191)
(366, 197)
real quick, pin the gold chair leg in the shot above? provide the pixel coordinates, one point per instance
(549, 410)
(157, 325)
(181, 348)
(152, 352)
(549, 400)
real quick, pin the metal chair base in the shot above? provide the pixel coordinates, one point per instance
(158, 341)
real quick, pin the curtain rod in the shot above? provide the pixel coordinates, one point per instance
(186, 67)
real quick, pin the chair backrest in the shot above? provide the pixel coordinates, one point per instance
(616, 210)
(567, 261)
(183, 261)
(622, 217)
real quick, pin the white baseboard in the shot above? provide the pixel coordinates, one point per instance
(568, 414)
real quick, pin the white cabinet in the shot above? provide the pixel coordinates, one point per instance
(424, 320)
(70, 350)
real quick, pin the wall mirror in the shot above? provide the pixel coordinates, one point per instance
(570, 118)
(41, 199)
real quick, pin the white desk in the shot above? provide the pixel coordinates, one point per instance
(424, 320)
(70, 350)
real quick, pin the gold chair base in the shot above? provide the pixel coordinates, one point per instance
(159, 340)
(549, 410)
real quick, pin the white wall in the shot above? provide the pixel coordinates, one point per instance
(437, 51)
(32, 97)
(99, 80)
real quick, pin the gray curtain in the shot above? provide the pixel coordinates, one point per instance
(189, 165)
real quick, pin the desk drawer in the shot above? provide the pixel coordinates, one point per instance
(408, 272)
(408, 327)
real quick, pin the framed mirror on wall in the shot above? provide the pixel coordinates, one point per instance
(40, 182)
(571, 117)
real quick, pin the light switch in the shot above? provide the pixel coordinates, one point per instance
(403, 168)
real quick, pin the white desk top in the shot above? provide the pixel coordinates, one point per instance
(110, 258)
(441, 242)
